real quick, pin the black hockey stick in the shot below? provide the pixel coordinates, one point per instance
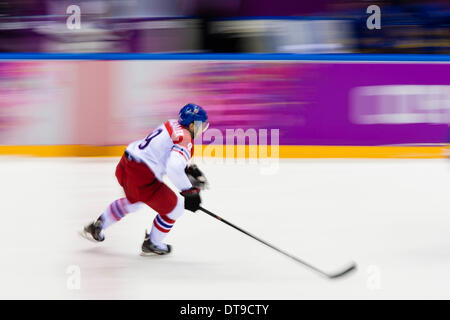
(335, 275)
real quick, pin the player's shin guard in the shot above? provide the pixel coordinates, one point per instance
(116, 211)
(163, 223)
(160, 228)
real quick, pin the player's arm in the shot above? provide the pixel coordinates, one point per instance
(176, 171)
(176, 167)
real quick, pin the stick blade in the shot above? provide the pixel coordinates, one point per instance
(346, 271)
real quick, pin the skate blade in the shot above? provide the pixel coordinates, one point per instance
(87, 236)
(152, 254)
(148, 254)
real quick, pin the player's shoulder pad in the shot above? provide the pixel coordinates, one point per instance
(179, 135)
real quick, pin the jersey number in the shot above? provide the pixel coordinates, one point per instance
(149, 138)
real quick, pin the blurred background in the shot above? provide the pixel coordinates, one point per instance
(409, 26)
(313, 103)
(313, 70)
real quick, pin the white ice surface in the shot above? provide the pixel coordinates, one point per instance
(391, 216)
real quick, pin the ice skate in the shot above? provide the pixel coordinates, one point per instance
(149, 249)
(93, 231)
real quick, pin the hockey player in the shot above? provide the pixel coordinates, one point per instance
(167, 150)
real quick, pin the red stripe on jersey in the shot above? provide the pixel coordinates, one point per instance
(169, 128)
(180, 139)
(181, 154)
(166, 219)
(159, 227)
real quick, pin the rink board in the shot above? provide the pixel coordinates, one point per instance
(319, 105)
(244, 152)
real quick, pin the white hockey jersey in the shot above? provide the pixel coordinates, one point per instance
(167, 150)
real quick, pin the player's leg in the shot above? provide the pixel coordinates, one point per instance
(112, 214)
(126, 174)
(169, 207)
(163, 223)
(117, 210)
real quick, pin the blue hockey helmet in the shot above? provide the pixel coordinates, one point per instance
(193, 113)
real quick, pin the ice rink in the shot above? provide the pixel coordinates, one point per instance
(390, 216)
